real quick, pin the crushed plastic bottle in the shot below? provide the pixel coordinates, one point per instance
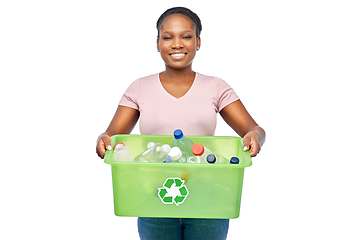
(156, 152)
(122, 153)
(184, 143)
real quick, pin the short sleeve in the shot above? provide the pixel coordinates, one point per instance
(130, 97)
(226, 94)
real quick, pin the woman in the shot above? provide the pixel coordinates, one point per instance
(176, 98)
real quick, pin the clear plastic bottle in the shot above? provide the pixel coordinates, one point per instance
(200, 153)
(122, 153)
(176, 155)
(156, 152)
(184, 143)
(217, 158)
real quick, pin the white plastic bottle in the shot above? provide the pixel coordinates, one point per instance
(217, 158)
(184, 143)
(122, 153)
(176, 155)
(200, 153)
(156, 152)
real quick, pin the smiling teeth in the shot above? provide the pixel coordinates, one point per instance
(178, 54)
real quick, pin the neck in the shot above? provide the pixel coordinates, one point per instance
(179, 73)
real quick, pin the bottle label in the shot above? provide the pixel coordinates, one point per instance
(173, 191)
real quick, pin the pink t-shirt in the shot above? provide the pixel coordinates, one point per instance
(194, 113)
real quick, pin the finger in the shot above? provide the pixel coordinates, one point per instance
(246, 143)
(101, 149)
(103, 144)
(254, 149)
(107, 143)
(99, 154)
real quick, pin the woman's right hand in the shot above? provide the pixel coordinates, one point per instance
(103, 143)
(123, 122)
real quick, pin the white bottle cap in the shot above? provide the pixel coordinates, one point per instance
(166, 148)
(175, 153)
(150, 145)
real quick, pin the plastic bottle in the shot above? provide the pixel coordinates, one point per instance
(156, 152)
(176, 155)
(200, 153)
(217, 158)
(184, 143)
(122, 153)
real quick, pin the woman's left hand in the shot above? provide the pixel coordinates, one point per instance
(251, 143)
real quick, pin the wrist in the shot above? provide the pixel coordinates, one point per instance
(259, 133)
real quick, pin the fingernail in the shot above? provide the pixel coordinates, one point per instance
(245, 148)
(109, 147)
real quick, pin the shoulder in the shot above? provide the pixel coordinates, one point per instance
(216, 81)
(150, 78)
(143, 82)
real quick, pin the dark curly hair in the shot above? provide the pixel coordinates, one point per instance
(184, 11)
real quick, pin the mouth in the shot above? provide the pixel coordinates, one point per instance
(178, 55)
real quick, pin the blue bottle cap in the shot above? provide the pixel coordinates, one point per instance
(178, 134)
(168, 159)
(234, 160)
(211, 158)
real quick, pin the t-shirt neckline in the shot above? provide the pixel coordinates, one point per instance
(183, 96)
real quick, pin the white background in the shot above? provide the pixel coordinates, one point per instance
(65, 64)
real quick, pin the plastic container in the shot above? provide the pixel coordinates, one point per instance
(122, 153)
(203, 190)
(184, 143)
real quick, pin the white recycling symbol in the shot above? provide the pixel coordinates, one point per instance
(173, 191)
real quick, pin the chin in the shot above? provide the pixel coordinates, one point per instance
(178, 66)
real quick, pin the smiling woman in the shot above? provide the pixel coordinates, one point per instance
(180, 98)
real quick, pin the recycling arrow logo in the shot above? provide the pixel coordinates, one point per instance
(173, 191)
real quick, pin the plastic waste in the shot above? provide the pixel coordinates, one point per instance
(176, 155)
(217, 158)
(200, 153)
(122, 153)
(184, 143)
(156, 152)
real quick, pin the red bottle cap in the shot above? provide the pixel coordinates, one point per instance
(197, 149)
(119, 143)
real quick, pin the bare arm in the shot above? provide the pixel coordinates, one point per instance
(123, 122)
(238, 118)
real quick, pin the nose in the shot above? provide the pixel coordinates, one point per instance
(177, 43)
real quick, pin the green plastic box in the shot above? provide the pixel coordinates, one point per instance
(180, 190)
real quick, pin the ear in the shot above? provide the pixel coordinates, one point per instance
(199, 42)
(158, 44)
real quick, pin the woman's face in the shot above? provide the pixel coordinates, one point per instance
(177, 41)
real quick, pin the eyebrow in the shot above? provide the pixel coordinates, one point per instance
(170, 32)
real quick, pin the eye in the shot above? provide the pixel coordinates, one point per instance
(166, 38)
(187, 37)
